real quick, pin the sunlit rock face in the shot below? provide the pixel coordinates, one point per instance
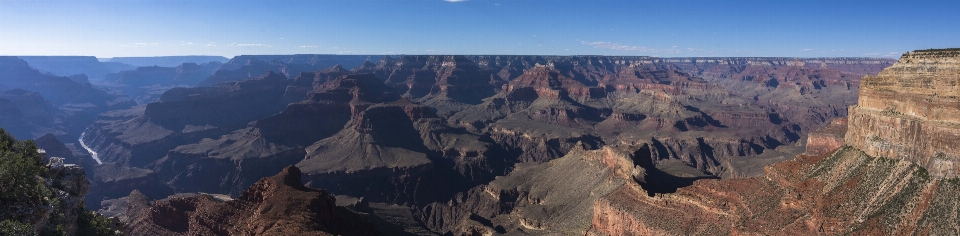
(911, 111)
(893, 172)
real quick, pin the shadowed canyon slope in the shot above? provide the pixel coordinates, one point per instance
(892, 173)
(277, 205)
(33, 104)
(431, 134)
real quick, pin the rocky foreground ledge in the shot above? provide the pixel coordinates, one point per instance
(277, 205)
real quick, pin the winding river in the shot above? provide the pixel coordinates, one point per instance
(92, 153)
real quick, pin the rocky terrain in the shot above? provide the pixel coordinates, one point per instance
(43, 195)
(422, 138)
(889, 174)
(35, 104)
(146, 84)
(277, 205)
(902, 107)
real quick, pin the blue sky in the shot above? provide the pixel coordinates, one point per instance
(652, 28)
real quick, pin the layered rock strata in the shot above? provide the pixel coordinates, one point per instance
(277, 205)
(894, 173)
(827, 139)
(911, 111)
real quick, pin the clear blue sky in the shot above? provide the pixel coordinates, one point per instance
(653, 28)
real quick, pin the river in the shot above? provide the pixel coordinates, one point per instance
(92, 153)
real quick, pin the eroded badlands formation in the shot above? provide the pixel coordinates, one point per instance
(464, 144)
(894, 173)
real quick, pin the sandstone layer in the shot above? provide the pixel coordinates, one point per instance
(892, 172)
(911, 111)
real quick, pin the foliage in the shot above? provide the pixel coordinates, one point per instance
(14, 228)
(19, 167)
(91, 223)
(22, 188)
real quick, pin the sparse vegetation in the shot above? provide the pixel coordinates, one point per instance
(891, 111)
(15, 228)
(19, 170)
(91, 223)
(24, 191)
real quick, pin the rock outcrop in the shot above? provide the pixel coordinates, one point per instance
(889, 174)
(910, 111)
(552, 198)
(41, 194)
(827, 139)
(401, 152)
(846, 192)
(432, 133)
(277, 205)
(230, 162)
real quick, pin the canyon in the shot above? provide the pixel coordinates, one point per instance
(886, 169)
(473, 144)
(416, 131)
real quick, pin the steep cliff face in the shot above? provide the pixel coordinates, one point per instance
(827, 139)
(41, 195)
(230, 162)
(846, 192)
(910, 111)
(552, 198)
(28, 114)
(892, 172)
(277, 205)
(401, 152)
(139, 136)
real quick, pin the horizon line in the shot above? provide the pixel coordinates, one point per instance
(558, 55)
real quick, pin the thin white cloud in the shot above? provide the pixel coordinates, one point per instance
(308, 46)
(139, 45)
(454, 0)
(629, 48)
(809, 50)
(880, 54)
(249, 45)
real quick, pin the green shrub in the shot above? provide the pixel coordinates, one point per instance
(19, 167)
(14, 228)
(21, 187)
(91, 223)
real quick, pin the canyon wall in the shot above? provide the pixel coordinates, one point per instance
(911, 111)
(893, 172)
